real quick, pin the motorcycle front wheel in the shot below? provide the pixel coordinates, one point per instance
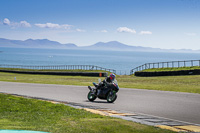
(91, 96)
(111, 97)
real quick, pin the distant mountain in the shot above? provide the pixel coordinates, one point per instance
(110, 44)
(113, 45)
(70, 45)
(38, 43)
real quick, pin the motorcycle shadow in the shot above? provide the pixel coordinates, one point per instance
(99, 102)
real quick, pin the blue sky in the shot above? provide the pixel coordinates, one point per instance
(169, 24)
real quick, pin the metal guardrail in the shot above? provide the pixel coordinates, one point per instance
(59, 67)
(169, 64)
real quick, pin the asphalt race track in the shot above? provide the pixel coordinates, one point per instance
(172, 105)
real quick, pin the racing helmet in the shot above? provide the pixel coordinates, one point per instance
(112, 76)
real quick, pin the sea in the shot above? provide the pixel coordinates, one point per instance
(121, 61)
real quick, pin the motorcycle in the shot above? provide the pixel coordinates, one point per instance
(107, 91)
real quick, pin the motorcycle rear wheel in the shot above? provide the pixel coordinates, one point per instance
(111, 97)
(91, 96)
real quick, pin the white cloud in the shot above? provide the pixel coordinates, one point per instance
(104, 31)
(80, 30)
(24, 24)
(6, 21)
(145, 32)
(125, 29)
(66, 26)
(48, 25)
(54, 26)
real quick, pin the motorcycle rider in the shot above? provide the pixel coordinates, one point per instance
(106, 89)
(106, 82)
(109, 79)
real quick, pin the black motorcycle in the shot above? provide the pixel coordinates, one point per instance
(107, 91)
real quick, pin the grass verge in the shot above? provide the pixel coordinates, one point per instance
(31, 114)
(189, 84)
(171, 69)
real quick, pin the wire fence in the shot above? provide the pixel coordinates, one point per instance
(59, 67)
(170, 64)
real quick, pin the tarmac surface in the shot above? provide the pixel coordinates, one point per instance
(177, 106)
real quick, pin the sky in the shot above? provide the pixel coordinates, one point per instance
(166, 24)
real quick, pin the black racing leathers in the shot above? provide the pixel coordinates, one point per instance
(105, 83)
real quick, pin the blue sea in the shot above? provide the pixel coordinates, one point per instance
(122, 61)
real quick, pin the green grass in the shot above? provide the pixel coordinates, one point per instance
(171, 69)
(31, 114)
(189, 84)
